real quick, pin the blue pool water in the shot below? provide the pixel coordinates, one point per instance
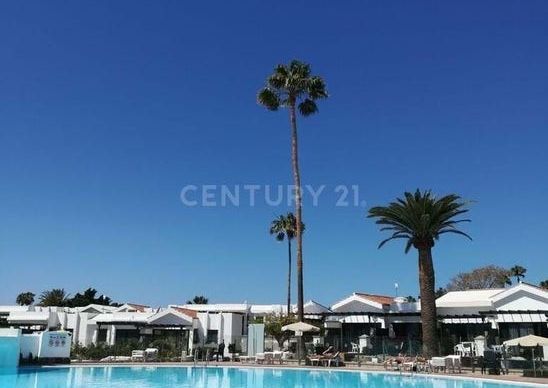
(162, 377)
(9, 352)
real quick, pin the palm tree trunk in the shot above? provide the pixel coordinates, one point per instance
(298, 210)
(298, 220)
(428, 302)
(289, 277)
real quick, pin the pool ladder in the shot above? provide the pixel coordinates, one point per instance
(205, 358)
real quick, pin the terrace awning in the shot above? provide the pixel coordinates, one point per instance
(28, 318)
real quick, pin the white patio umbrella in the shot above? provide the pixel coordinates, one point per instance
(302, 327)
(299, 328)
(528, 341)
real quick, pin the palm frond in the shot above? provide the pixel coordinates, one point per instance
(308, 107)
(269, 99)
(316, 88)
(292, 85)
(420, 217)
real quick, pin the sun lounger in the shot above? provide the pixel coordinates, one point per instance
(455, 364)
(151, 354)
(321, 359)
(396, 363)
(269, 358)
(409, 366)
(416, 364)
(138, 355)
(286, 356)
(315, 360)
(244, 359)
(277, 357)
(438, 364)
(115, 359)
(334, 360)
(185, 357)
(259, 358)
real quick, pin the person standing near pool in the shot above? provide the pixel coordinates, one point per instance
(221, 350)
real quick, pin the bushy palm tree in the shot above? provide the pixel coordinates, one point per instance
(294, 87)
(544, 284)
(420, 219)
(89, 296)
(198, 299)
(518, 272)
(284, 228)
(54, 297)
(25, 299)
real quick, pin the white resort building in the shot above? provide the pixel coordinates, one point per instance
(383, 323)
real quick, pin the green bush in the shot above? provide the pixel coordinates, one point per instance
(168, 349)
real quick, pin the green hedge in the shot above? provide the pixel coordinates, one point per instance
(168, 349)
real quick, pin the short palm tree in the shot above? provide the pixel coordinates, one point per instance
(25, 299)
(518, 272)
(198, 299)
(293, 87)
(55, 297)
(420, 219)
(284, 228)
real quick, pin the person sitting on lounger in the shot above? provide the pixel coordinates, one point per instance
(395, 361)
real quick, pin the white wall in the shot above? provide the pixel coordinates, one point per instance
(228, 326)
(30, 343)
(55, 344)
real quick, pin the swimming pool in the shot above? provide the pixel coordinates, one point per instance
(162, 377)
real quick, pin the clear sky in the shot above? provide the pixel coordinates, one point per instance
(109, 108)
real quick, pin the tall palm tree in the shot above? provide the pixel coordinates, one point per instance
(292, 86)
(518, 272)
(284, 227)
(421, 219)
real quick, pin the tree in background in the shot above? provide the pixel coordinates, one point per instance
(89, 297)
(440, 292)
(420, 219)
(25, 298)
(273, 324)
(55, 297)
(490, 276)
(411, 299)
(285, 227)
(544, 284)
(198, 300)
(518, 272)
(293, 86)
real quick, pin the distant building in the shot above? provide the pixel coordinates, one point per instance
(386, 324)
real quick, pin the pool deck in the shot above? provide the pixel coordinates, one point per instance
(513, 377)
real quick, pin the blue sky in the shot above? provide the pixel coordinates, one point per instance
(108, 109)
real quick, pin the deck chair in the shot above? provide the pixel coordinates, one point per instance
(335, 360)
(138, 355)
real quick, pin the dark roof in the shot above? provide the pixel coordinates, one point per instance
(382, 299)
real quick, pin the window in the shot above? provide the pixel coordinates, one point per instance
(212, 336)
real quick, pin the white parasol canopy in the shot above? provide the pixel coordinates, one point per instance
(300, 327)
(528, 341)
